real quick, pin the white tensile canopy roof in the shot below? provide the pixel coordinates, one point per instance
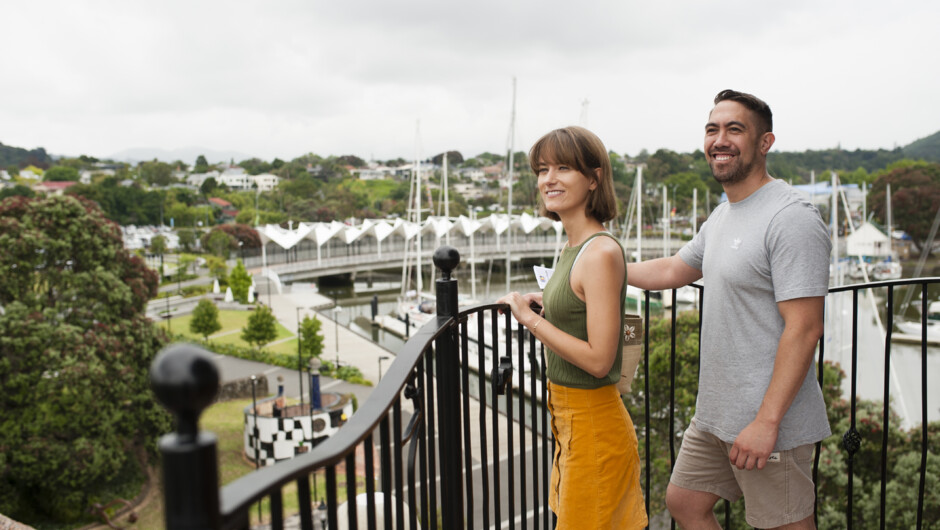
(382, 229)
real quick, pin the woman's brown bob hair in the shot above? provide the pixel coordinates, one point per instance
(582, 150)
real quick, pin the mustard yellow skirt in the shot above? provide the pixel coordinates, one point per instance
(595, 480)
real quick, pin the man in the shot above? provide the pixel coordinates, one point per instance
(763, 257)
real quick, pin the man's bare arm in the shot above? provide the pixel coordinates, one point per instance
(803, 326)
(661, 273)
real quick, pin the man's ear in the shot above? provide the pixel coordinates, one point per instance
(766, 142)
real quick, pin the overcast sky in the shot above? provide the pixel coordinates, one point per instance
(280, 78)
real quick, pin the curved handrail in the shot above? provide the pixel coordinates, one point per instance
(240, 494)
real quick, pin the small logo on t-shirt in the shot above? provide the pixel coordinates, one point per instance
(736, 244)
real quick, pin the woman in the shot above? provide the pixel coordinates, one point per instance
(595, 475)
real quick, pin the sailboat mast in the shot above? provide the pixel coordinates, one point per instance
(417, 168)
(512, 134)
(639, 214)
(446, 200)
(639, 222)
(888, 201)
(665, 221)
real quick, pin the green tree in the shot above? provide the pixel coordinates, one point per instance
(202, 165)
(240, 281)
(76, 345)
(156, 173)
(205, 319)
(61, 173)
(18, 190)
(217, 268)
(219, 243)
(208, 186)
(311, 338)
(680, 186)
(187, 238)
(158, 245)
(915, 197)
(261, 328)
(620, 172)
(663, 163)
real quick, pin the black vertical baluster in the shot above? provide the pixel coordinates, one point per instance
(672, 395)
(484, 462)
(497, 497)
(885, 412)
(534, 402)
(851, 440)
(548, 439)
(432, 417)
(332, 500)
(399, 465)
(386, 459)
(923, 405)
(369, 450)
(646, 399)
(820, 377)
(304, 504)
(510, 444)
(520, 344)
(468, 454)
(423, 384)
(352, 503)
(277, 509)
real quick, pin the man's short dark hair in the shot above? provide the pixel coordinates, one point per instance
(753, 103)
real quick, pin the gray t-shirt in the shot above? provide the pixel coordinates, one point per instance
(770, 247)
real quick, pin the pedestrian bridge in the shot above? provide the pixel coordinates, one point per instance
(326, 249)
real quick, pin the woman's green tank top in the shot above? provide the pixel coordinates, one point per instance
(569, 314)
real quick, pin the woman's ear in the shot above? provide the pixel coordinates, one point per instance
(596, 179)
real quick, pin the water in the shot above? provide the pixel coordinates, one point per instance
(905, 361)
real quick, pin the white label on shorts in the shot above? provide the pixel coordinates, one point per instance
(774, 457)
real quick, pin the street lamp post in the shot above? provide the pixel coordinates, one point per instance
(382, 358)
(321, 514)
(167, 312)
(336, 311)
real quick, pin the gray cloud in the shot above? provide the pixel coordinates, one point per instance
(289, 77)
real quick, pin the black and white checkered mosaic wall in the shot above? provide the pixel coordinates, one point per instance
(282, 438)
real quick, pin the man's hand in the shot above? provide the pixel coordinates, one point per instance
(753, 445)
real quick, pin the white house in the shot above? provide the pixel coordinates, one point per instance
(868, 240)
(266, 181)
(236, 179)
(196, 179)
(374, 173)
(476, 174)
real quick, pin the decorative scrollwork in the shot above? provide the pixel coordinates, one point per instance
(851, 441)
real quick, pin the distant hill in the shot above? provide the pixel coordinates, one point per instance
(17, 156)
(186, 154)
(926, 148)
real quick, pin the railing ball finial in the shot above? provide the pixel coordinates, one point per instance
(185, 380)
(446, 258)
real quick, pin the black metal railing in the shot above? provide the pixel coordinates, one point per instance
(463, 437)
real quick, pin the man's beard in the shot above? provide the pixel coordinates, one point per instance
(737, 172)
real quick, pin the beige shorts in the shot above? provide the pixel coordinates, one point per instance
(781, 493)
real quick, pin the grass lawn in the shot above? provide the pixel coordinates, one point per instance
(226, 421)
(232, 323)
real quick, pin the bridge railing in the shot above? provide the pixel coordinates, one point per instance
(455, 435)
